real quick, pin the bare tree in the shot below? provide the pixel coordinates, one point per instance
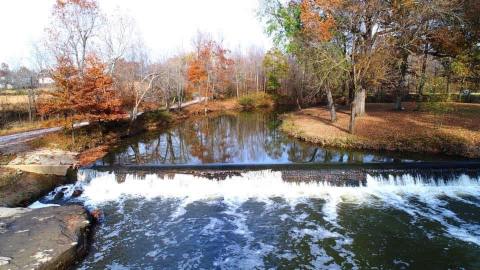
(146, 86)
(119, 34)
(74, 25)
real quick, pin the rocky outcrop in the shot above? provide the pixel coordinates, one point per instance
(45, 161)
(22, 188)
(47, 238)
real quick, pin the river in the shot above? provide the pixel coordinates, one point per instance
(275, 219)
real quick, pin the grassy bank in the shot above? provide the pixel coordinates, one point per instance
(437, 128)
(247, 102)
(23, 126)
(93, 141)
(255, 101)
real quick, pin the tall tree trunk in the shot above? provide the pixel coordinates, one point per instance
(238, 92)
(351, 126)
(448, 84)
(30, 105)
(359, 100)
(331, 106)
(402, 85)
(423, 76)
(133, 117)
(73, 132)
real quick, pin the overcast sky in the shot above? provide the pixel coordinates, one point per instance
(166, 25)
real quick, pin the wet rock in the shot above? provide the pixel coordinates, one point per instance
(46, 156)
(76, 193)
(23, 189)
(97, 215)
(59, 195)
(46, 238)
(45, 161)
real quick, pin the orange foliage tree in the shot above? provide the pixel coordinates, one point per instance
(318, 25)
(209, 72)
(88, 96)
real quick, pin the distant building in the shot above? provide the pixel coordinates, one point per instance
(44, 78)
(5, 86)
(45, 81)
(3, 79)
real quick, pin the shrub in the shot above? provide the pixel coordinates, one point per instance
(247, 102)
(262, 100)
(257, 100)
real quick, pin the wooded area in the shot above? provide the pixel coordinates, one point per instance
(391, 50)
(340, 52)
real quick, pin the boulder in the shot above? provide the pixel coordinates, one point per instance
(22, 189)
(46, 238)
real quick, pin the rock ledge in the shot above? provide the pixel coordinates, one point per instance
(47, 238)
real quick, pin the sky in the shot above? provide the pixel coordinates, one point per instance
(166, 26)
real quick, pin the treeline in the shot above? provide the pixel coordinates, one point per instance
(346, 50)
(102, 70)
(339, 51)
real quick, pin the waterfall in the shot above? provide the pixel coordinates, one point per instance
(108, 186)
(251, 214)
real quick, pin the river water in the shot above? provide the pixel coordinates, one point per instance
(264, 219)
(241, 139)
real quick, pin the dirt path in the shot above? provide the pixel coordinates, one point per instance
(10, 144)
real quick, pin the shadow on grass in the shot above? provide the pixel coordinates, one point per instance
(323, 120)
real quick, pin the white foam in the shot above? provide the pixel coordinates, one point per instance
(395, 192)
(38, 205)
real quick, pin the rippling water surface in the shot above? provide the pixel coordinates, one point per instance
(259, 220)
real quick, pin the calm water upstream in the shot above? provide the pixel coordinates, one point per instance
(260, 219)
(241, 139)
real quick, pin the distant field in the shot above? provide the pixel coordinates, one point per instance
(16, 100)
(13, 103)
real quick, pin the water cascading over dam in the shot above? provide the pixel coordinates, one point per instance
(290, 218)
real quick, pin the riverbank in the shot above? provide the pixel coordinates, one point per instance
(446, 128)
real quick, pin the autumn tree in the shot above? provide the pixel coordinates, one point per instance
(351, 26)
(172, 83)
(130, 79)
(197, 77)
(325, 70)
(82, 96)
(210, 70)
(119, 34)
(322, 56)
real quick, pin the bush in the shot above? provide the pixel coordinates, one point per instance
(252, 101)
(247, 102)
(156, 116)
(263, 100)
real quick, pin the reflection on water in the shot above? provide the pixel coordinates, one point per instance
(242, 138)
